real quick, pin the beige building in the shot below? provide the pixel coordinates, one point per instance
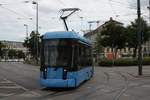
(14, 45)
(91, 35)
(121, 53)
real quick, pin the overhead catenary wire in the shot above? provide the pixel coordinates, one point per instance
(113, 10)
(21, 16)
(61, 2)
(16, 13)
(20, 3)
(12, 11)
(121, 3)
(118, 3)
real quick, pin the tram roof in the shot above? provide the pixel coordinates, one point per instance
(65, 35)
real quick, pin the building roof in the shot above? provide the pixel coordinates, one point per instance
(65, 35)
(98, 29)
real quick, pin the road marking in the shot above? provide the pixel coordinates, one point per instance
(17, 85)
(22, 87)
(7, 85)
(89, 87)
(5, 81)
(4, 94)
(30, 94)
(10, 87)
(146, 86)
(35, 93)
(105, 90)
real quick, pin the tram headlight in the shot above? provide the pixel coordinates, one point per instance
(65, 73)
(65, 70)
(45, 69)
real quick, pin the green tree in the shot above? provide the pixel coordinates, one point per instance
(32, 43)
(98, 46)
(2, 46)
(132, 34)
(12, 54)
(112, 35)
(20, 54)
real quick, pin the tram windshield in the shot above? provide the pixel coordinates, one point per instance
(57, 53)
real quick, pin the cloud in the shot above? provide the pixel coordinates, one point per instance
(50, 7)
(11, 24)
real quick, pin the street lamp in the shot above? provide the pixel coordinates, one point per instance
(37, 15)
(26, 26)
(37, 26)
(26, 30)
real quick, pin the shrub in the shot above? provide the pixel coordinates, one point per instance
(123, 62)
(146, 60)
(105, 62)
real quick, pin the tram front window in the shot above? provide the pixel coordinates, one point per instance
(57, 53)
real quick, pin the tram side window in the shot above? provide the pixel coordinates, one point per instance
(75, 59)
(84, 59)
(46, 53)
(80, 57)
(89, 56)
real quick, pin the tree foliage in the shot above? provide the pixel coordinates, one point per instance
(20, 54)
(15, 54)
(2, 46)
(113, 35)
(98, 47)
(32, 43)
(12, 54)
(132, 34)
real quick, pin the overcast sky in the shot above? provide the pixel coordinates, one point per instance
(15, 13)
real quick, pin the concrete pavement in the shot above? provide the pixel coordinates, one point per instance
(116, 83)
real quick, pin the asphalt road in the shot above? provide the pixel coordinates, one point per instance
(20, 81)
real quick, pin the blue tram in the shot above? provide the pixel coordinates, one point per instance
(66, 59)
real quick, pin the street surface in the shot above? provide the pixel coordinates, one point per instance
(19, 81)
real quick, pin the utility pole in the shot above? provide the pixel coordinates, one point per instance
(81, 23)
(149, 11)
(149, 25)
(139, 38)
(90, 24)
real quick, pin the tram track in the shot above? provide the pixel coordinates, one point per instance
(107, 77)
(123, 90)
(56, 93)
(107, 83)
(94, 89)
(62, 92)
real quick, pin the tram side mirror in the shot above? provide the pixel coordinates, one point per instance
(41, 37)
